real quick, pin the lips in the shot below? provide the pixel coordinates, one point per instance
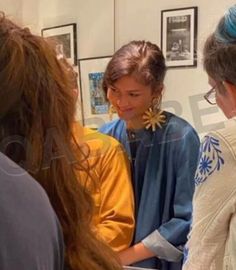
(125, 113)
(124, 110)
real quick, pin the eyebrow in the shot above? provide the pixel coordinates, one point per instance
(133, 91)
(128, 90)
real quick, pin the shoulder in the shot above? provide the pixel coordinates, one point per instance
(176, 128)
(31, 229)
(225, 138)
(19, 191)
(218, 156)
(227, 135)
(95, 138)
(112, 126)
(14, 177)
(218, 149)
(176, 122)
(101, 146)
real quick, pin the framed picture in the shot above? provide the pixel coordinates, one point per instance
(95, 107)
(179, 36)
(78, 114)
(65, 40)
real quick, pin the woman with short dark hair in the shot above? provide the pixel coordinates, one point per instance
(212, 241)
(163, 150)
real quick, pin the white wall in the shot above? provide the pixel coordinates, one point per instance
(184, 87)
(94, 19)
(96, 28)
(12, 8)
(101, 31)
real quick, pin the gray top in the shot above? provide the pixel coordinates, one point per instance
(30, 235)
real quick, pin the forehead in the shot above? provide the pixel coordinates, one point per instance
(128, 83)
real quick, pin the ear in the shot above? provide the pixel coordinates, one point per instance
(157, 93)
(231, 91)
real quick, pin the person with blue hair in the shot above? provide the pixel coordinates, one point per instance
(212, 241)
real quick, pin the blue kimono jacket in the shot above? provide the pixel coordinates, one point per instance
(163, 179)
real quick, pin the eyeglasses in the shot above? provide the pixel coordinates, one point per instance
(210, 96)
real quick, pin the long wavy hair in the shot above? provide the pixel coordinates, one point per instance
(37, 108)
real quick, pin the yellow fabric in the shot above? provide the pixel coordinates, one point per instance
(110, 186)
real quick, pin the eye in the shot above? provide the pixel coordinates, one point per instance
(134, 94)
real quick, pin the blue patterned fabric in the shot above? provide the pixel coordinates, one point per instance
(210, 159)
(165, 202)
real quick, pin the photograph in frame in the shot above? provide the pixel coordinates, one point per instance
(95, 106)
(65, 40)
(78, 114)
(179, 36)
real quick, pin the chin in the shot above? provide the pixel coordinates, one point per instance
(233, 113)
(126, 116)
(229, 114)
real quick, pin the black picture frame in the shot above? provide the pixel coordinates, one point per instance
(65, 37)
(179, 36)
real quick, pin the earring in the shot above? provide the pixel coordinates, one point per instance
(111, 111)
(154, 117)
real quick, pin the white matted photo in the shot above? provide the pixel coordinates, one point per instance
(95, 106)
(65, 40)
(179, 36)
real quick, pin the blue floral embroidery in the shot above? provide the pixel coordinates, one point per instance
(205, 165)
(210, 159)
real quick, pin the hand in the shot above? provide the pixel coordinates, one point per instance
(135, 254)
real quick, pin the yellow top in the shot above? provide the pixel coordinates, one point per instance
(110, 186)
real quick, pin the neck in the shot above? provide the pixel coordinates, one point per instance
(134, 124)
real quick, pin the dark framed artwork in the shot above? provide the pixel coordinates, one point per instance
(95, 107)
(65, 40)
(179, 36)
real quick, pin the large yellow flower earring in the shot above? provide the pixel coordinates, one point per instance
(111, 111)
(154, 117)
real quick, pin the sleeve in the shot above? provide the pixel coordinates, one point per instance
(116, 217)
(213, 206)
(168, 240)
(232, 241)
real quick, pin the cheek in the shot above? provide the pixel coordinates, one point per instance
(145, 103)
(110, 97)
(224, 106)
(219, 102)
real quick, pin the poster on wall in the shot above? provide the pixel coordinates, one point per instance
(95, 107)
(98, 102)
(64, 38)
(179, 36)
